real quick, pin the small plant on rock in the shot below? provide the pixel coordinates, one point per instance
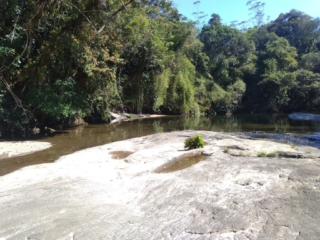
(272, 154)
(262, 154)
(194, 142)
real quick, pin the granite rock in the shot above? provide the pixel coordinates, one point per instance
(90, 195)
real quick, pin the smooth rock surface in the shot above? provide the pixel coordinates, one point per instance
(89, 195)
(11, 149)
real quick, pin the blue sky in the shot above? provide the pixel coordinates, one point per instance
(230, 10)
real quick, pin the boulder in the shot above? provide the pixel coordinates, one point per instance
(305, 116)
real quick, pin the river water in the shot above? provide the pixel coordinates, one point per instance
(72, 140)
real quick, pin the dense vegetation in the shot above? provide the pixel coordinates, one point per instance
(62, 60)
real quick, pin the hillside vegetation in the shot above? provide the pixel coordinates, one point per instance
(62, 60)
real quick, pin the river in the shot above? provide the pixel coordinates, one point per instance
(69, 141)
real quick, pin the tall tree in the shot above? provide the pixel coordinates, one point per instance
(229, 51)
(279, 64)
(257, 10)
(301, 30)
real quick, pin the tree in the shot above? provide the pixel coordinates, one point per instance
(257, 9)
(230, 52)
(56, 50)
(301, 30)
(305, 95)
(311, 61)
(279, 63)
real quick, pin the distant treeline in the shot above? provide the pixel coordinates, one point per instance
(67, 60)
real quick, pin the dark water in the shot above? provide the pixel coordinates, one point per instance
(69, 141)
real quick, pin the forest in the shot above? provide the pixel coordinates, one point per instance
(62, 60)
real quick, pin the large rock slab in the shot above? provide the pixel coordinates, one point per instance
(16, 148)
(232, 194)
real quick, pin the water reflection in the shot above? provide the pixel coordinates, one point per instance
(93, 135)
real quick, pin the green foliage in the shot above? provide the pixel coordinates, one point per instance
(311, 61)
(272, 154)
(80, 58)
(57, 100)
(262, 154)
(305, 95)
(301, 30)
(230, 55)
(180, 94)
(161, 84)
(194, 142)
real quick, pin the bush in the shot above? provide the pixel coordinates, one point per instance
(272, 154)
(194, 142)
(262, 154)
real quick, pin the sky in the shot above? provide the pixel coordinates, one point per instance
(230, 10)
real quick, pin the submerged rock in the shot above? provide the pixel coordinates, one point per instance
(89, 195)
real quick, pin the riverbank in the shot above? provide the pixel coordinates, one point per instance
(17, 148)
(104, 193)
(10, 149)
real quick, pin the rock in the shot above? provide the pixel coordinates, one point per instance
(89, 195)
(49, 130)
(35, 130)
(314, 137)
(291, 154)
(4, 155)
(305, 116)
(237, 147)
(206, 153)
(16, 148)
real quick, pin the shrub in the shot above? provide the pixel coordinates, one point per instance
(194, 142)
(272, 154)
(262, 154)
